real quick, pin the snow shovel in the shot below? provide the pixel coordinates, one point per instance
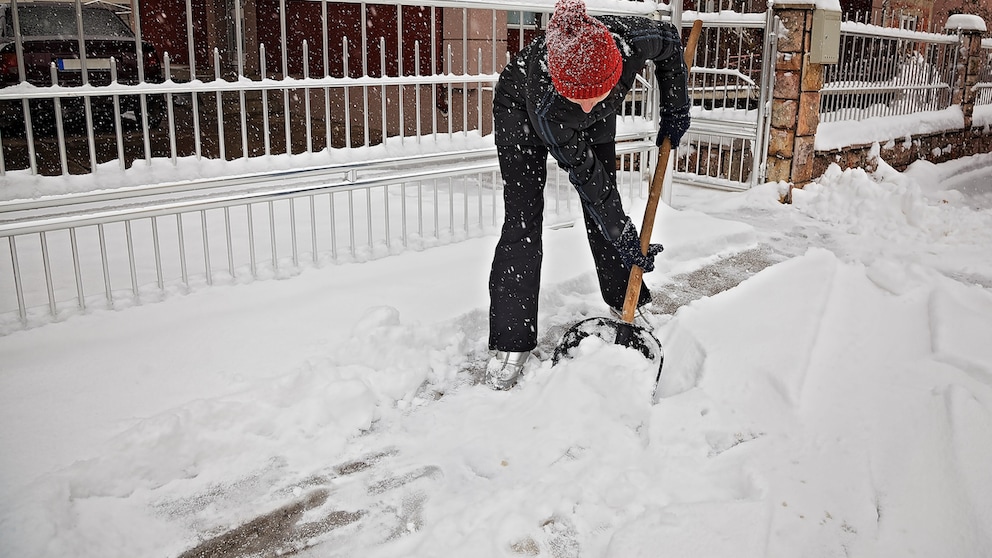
(625, 332)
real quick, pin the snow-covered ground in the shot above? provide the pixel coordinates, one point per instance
(838, 403)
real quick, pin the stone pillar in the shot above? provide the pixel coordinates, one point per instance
(796, 98)
(970, 61)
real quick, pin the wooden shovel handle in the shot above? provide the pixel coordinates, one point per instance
(690, 44)
(654, 195)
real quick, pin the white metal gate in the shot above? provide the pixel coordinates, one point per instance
(731, 86)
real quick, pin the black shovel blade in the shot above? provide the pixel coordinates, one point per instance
(611, 331)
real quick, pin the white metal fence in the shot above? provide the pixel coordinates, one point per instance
(885, 71)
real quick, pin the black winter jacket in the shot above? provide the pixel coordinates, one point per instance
(528, 110)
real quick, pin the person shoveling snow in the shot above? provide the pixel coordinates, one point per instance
(560, 95)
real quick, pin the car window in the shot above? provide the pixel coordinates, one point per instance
(60, 21)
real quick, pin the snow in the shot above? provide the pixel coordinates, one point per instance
(862, 129)
(965, 22)
(836, 403)
(982, 117)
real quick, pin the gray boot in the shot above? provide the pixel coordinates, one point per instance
(505, 368)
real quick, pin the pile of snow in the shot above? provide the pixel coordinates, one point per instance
(890, 206)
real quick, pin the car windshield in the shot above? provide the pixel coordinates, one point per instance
(60, 21)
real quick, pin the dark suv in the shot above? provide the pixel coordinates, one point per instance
(49, 35)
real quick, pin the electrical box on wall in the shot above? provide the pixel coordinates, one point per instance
(825, 39)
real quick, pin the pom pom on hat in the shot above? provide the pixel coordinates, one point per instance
(583, 59)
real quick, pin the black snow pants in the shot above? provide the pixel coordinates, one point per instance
(515, 279)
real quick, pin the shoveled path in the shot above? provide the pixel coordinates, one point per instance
(284, 532)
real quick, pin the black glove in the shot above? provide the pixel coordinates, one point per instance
(629, 246)
(673, 125)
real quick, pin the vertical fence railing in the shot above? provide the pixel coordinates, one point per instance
(983, 89)
(885, 71)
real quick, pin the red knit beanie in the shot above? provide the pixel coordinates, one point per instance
(583, 59)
